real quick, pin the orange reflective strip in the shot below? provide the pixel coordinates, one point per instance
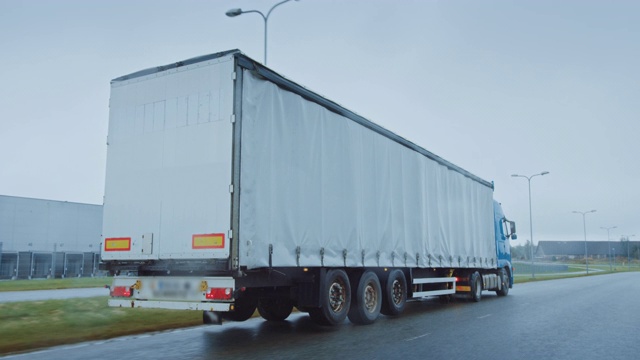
(207, 241)
(117, 244)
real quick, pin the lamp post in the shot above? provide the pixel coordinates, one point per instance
(609, 243)
(533, 275)
(32, 258)
(584, 226)
(238, 11)
(614, 258)
(53, 261)
(628, 250)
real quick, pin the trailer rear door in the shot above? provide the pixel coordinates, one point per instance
(167, 190)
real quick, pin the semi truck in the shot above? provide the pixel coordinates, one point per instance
(231, 188)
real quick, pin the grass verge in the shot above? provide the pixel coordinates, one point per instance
(36, 324)
(573, 272)
(52, 284)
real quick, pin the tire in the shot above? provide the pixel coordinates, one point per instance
(244, 309)
(335, 299)
(367, 300)
(275, 309)
(504, 283)
(475, 280)
(394, 297)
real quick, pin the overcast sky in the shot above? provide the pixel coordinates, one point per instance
(496, 87)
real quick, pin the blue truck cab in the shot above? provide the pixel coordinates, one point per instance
(504, 231)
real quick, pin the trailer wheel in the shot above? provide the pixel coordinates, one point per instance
(395, 294)
(243, 309)
(335, 299)
(367, 301)
(475, 280)
(275, 309)
(504, 283)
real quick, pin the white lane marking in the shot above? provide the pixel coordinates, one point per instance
(485, 316)
(417, 337)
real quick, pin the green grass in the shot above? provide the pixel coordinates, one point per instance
(36, 324)
(543, 277)
(51, 284)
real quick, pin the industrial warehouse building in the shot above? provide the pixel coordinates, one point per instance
(47, 238)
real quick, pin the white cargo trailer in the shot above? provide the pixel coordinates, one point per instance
(230, 187)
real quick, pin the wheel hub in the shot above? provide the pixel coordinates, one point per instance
(370, 298)
(336, 296)
(397, 292)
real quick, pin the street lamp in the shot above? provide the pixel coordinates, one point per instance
(533, 275)
(584, 225)
(236, 12)
(609, 243)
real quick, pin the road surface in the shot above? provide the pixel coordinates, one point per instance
(39, 295)
(581, 318)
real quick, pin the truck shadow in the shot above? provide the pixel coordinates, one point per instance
(261, 339)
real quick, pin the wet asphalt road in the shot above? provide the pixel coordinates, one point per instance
(583, 318)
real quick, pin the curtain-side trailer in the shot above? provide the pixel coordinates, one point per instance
(230, 188)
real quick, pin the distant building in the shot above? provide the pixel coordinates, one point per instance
(47, 238)
(576, 249)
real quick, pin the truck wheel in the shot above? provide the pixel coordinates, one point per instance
(335, 299)
(275, 309)
(243, 310)
(395, 294)
(475, 280)
(504, 280)
(367, 301)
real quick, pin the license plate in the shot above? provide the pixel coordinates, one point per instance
(179, 289)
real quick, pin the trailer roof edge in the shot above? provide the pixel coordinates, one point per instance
(252, 65)
(186, 62)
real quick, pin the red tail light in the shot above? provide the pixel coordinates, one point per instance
(219, 294)
(121, 291)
